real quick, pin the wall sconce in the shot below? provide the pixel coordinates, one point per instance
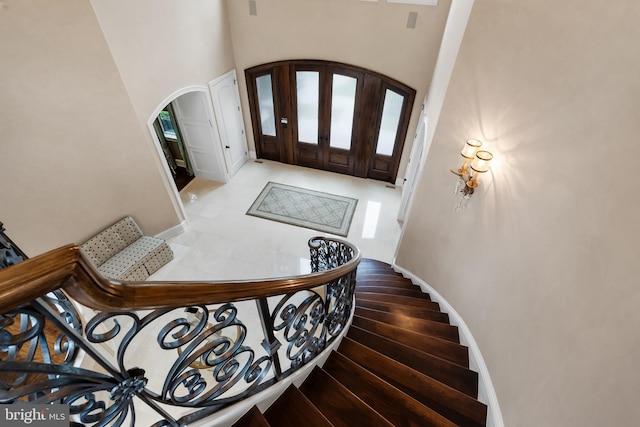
(478, 160)
(469, 153)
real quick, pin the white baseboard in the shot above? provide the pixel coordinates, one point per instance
(486, 392)
(173, 231)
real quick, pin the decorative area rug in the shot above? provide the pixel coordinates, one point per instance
(305, 208)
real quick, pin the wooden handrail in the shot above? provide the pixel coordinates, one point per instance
(67, 268)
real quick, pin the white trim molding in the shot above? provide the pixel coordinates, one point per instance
(173, 231)
(486, 392)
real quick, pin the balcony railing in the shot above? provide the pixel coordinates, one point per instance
(183, 349)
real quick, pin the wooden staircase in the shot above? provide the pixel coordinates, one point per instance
(401, 364)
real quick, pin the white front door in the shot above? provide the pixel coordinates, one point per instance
(226, 104)
(200, 135)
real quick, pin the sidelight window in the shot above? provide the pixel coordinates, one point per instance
(391, 112)
(265, 102)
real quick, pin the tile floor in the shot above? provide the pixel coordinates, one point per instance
(224, 243)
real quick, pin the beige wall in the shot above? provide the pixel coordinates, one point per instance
(73, 155)
(542, 265)
(366, 34)
(162, 46)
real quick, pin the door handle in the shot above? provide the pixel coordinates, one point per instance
(226, 146)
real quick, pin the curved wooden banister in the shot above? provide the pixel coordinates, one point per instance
(69, 269)
(216, 352)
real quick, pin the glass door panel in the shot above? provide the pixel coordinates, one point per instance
(308, 100)
(391, 112)
(265, 102)
(343, 101)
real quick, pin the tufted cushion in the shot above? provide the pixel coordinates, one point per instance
(109, 242)
(121, 252)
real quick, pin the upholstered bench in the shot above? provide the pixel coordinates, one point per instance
(122, 252)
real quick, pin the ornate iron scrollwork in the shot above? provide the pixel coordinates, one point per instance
(303, 326)
(203, 340)
(311, 324)
(10, 254)
(208, 362)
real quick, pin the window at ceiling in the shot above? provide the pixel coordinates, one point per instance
(419, 2)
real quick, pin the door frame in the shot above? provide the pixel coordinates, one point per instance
(167, 176)
(361, 160)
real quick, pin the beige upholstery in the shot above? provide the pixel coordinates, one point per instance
(122, 252)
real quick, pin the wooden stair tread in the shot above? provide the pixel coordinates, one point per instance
(443, 349)
(451, 374)
(415, 293)
(427, 327)
(396, 406)
(418, 312)
(337, 403)
(398, 299)
(401, 363)
(253, 418)
(387, 279)
(447, 401)
(293, 409)
(370, 262)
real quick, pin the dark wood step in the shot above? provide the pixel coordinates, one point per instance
(337, 403)
(451, 374)
(398, 299)
(414, 293)
(427, 327)
(253, 418)
(378, 271)
(443, 349)
(397, 407)
(417, 312)
(293, 409)
(374, 263)
(396, 284)
(377, 276)
(447, 401)
(377, 268)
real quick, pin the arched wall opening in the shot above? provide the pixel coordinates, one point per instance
(195, 117)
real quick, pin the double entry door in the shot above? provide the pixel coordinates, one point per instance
(329, 116)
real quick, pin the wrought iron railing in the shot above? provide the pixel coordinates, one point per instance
(185, 349)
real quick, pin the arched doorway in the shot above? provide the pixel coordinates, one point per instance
(197, 126)
(329, 116)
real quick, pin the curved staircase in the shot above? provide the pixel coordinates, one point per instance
(400, 364)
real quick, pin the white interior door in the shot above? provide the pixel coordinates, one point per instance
(226, 105)
(413, 167)
(200, 135)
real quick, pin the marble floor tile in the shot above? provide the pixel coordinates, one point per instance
(222, 242)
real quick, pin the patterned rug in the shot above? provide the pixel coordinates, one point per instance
(305, 208)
